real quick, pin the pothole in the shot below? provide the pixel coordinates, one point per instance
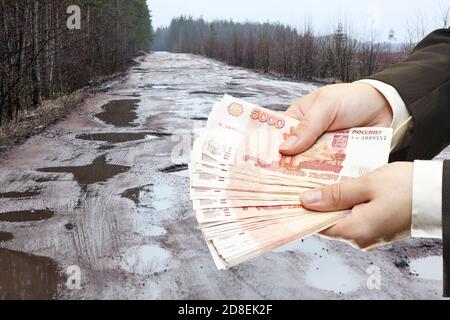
(134, 194)
(29, 193)
(26, 216)
(120, 113)
(145, 260)
(28, 277)
(429, 268)
(6, 236)
(207, 92)
(98, 171)
(116, 137)
(175, 168)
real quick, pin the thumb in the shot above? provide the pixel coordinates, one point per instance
(314, 123)
(337, 197)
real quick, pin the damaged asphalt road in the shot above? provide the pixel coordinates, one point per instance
(95, 208)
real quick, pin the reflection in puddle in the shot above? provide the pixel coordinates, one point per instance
(29, 193)
(120, 113)
(331, 274)
(429, 268)
(145, 260)
(24, 276)
(134, 194)
(6, 236)
(116, 137)
(26, 216)
(327, 271)
(98, 171)
(163, 197)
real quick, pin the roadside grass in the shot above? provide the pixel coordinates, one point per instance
(31, 122)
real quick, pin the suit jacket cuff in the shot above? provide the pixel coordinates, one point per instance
(427, 199)
(402, 120)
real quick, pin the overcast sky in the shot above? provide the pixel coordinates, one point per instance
(381, 14)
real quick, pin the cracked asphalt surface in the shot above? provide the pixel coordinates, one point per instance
(100, 191)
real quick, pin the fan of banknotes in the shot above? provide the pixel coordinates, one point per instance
(245, 194)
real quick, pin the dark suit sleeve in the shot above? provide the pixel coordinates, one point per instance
(446, 226)
(423, 83)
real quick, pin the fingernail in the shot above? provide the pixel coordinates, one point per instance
(311, 197)
(289, 143)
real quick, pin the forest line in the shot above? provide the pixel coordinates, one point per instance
(42, 58)
(285, 51)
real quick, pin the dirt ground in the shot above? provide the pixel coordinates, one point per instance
(96, 208)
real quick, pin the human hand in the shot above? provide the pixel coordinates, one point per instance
(333, 108)
(381, 202)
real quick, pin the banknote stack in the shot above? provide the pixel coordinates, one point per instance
(245, 194)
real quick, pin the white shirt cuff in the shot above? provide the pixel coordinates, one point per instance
(402, 120)
(427, 199)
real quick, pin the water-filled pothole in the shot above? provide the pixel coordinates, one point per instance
(25, 276)
(26, 216)
(134, 194)
(98, 171)
(28, 193)
(207, 92)
(116, 137)
(6, 236)
(120, 113)
(175, 168)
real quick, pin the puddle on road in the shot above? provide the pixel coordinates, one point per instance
(134, 194)
(145, 260)
(161, 134)
(331, 274)
(326, 271)
(175, 168)
(6, 236)
(125, 94)
(159, 87)
(98, 171)
(106, 147)
(207, 92)
(164, 196)
(27, 277)
(144, 228)
(277, 107)
(29, 193)
(26, 216)
(116, 137)
(429, 268)
(231, 93)
(120, 113)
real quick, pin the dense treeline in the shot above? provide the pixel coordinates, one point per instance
(280, 49)
(43, 56)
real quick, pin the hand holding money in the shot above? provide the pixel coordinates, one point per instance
(381, 204)
(336, 107)
(246, 194)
